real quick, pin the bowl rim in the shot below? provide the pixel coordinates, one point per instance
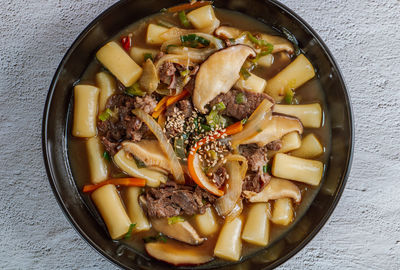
(49, 165)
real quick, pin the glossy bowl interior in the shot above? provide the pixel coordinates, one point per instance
(120, 16)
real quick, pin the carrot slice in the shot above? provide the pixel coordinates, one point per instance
(157, 113)
(189, 6)
(199, 180)
(176, 98)
(161, 103)
(128, 182)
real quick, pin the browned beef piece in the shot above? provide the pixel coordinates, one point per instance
(256, 181)
(256, 156)
(183, 105)
(219, 176)
(171, 199)
(243, 110)
(274, 145)
(167, 74)
(146, 103)
(126, 125)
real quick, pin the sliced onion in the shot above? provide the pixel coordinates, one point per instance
(243, 167)
(236, 211)
(195, 55)
(176, 168)
(254, 124)
(174, 58)
(233, 189)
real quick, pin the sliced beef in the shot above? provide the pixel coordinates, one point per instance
(219, 177)
(244, 109)
(171, 199)
(256, 181)
(167, 74)
(274, 145)
(146, 103)
(256, 156)
(185, 106)
(124, 125)
(256, 178)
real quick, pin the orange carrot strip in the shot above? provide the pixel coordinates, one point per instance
(128, 182)
(157, 113)
(174, 99)
(161, 103)
(189, 6)
(232, 129)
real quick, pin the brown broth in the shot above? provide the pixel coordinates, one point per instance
(309, 93)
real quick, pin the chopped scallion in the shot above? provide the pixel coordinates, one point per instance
(184, 72)
(155, 238)
(106, 156)
(220, 106)
(289, 96)
(134, 90)
(176, 219)
(183, 19)
(193, 40)
(129, 233)
(240, 98)
(268, 47)
(105, 115)
(147, 56)
(244, 73)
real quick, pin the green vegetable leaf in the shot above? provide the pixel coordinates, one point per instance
(265, 168)
(244, 120)
(106, 156)
(244, 73)
(147, 56)
(105, 115)
(176, 219)
(183, 19)
(134, 90)
(240, 98)
(129, 233)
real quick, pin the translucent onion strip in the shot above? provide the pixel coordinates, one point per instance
(176, 168)
(254, 124)
(233, 189)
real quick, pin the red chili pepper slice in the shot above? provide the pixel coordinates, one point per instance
(126, 42)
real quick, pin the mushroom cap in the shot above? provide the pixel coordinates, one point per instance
(276, 127)
(176, 254)
(148, 151)
(219, 73)
(277, 188)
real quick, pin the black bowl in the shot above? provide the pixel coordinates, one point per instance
(110, 23)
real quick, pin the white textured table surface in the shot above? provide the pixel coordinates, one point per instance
(362, 233)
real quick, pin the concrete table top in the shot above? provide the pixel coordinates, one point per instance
(362, 233)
